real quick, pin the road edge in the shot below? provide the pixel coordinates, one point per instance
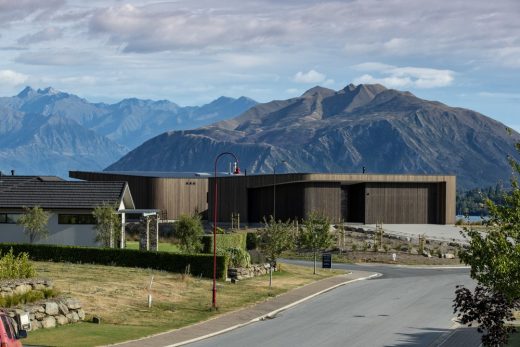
(272, 313)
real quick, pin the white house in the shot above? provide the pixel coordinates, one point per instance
(70, 204)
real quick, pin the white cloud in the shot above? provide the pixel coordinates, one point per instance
(312, 76)
(61, 57)
(11, 11)
(402, 77)
(12, 77)
(244, 60)
(47, 34)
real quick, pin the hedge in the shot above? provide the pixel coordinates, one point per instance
(200, 264)
(224, 241)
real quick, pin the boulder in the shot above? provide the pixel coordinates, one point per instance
(63, 308)
(35, 325)
(449, 256)
(48, 322)
(39, 315)
(51, 308)
(61, 320)
(75, 317)
(72, 304)
(81, 314)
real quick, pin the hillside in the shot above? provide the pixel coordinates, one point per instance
(384, 130)
(46, 131)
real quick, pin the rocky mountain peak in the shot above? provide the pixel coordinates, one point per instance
(318, 91)
(26, 92)
(48, 91)
(388, 130)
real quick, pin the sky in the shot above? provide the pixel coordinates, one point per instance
(459, 52)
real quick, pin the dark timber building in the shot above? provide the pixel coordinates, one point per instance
(174, 193)
(356, 198)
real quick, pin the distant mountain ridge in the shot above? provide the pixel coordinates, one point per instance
(47, 131)
(384, 130)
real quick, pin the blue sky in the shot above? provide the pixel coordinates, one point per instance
(462, 53)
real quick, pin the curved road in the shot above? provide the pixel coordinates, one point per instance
(403, 307)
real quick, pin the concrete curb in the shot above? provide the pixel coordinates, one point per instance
(272, 313)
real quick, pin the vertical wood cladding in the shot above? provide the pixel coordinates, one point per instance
(323, 197)
(176, 196)
(361, 198)
(232, 197)
(400, 203)
(289, 205)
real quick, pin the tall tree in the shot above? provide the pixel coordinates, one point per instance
(189, 230)
(275, 238)
(108, 224)
(494, 257)
(315, 234)
(34, 221)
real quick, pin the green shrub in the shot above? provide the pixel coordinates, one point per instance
(200, 264)
(12, 267)
(224, 241)
(251, 241)
(28, 297)
(237, 257)
(188, 230)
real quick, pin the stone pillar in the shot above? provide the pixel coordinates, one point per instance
(144, 237)
(154, 233)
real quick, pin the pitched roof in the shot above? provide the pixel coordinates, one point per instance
(52, 192)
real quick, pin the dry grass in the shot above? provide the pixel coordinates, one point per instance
(119, 295)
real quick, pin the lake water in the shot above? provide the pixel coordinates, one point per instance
(470, 218)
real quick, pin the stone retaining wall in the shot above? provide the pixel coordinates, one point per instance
(46, 313)
(22, 286)
(51, 312)
(248, 272)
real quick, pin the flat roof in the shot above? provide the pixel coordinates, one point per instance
(154, 174)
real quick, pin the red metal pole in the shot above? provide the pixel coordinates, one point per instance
(215, 200)
(214, 302)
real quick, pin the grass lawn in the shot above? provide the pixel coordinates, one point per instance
(163, 246)
(119, 297)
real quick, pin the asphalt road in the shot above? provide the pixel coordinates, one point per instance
(403, 307)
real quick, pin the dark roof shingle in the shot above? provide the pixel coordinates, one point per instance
(29, 191)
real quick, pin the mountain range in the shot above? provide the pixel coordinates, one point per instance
(50, 132)
(323, 130)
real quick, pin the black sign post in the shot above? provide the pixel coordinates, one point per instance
(326, 260)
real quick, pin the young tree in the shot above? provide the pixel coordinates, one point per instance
(34, 221)
(494, 257)
(108, 224)
(275, 238)
(189, 230)
(315, 234)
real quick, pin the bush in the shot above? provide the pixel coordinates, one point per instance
(13, 267)
(251, 241)
(200, 264)
(188, 230)
(224, 241)
(28, 297)
(237, 257)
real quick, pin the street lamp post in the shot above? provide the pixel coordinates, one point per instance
(274, 187)
(235, 172)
